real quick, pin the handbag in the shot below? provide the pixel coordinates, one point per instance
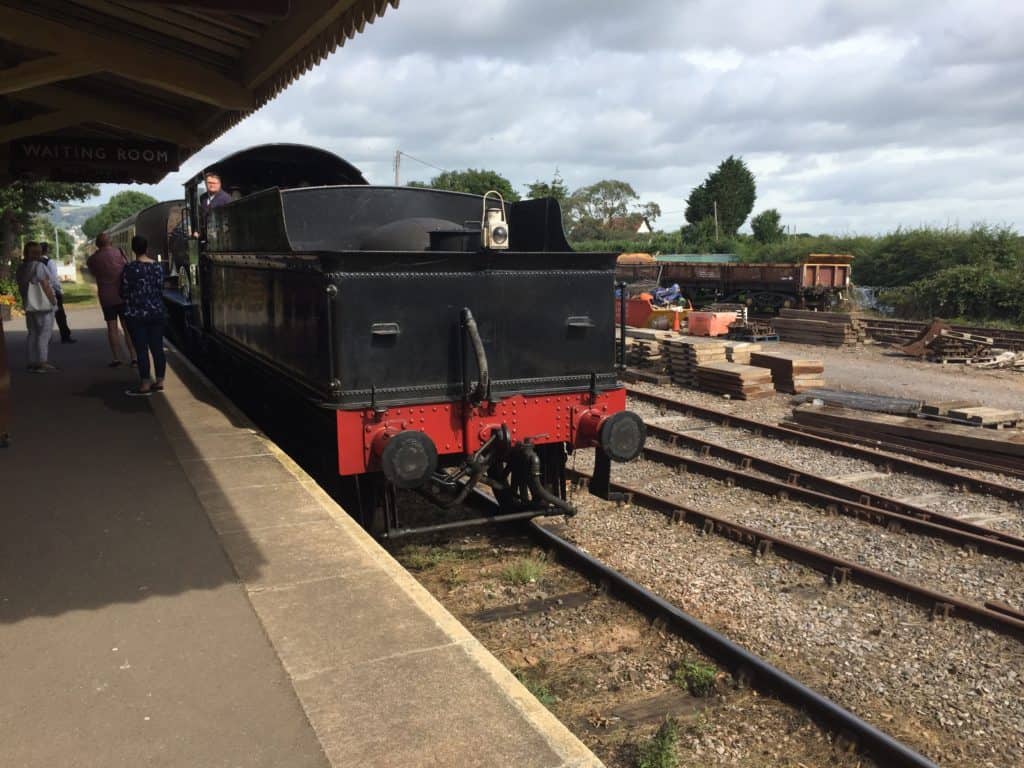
(36, 299)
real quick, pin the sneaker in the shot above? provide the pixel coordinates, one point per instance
(69, 340)
(36, 369)
(49, 367)
(156, 388)
(136, 392)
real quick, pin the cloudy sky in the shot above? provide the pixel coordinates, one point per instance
(855, 116)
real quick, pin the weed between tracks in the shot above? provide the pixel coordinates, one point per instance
(662, 751)
(696, 677)
(526, 570)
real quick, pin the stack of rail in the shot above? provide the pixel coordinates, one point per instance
(905, 331)
(945, 443)
(739, 351)
(683, 357)
(791, 375)
(831, 329)
(940, 343)
(743, 382)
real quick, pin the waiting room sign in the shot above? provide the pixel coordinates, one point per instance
(58, 158)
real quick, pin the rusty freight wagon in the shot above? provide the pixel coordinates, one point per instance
(820, 282)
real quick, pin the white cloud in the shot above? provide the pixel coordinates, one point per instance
(855, 116)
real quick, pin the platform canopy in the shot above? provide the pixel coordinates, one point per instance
(106, 91)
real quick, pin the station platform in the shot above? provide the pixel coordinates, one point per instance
(175, 591)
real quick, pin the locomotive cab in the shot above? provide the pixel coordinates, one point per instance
(448, 342)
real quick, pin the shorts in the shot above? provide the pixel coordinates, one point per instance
(113, 312)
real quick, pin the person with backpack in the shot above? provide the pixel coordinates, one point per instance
(59, 315)
(142, 287)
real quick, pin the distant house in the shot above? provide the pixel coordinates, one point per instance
(634, 222)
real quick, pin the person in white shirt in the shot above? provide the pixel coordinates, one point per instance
(59, 315)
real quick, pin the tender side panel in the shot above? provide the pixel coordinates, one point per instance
(276, 314)
(399, 335)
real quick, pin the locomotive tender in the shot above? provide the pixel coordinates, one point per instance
(443, 341)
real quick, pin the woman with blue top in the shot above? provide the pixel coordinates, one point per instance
(142, 287)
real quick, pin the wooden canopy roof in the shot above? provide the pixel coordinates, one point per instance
(101, 90)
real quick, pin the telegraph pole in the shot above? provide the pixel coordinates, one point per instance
(398, 165)
(716, 218)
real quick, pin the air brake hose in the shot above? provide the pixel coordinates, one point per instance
(484, 385)
(537, 487)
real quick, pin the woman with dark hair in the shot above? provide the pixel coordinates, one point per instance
(142, 290)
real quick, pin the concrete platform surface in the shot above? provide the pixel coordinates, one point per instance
(174, 590)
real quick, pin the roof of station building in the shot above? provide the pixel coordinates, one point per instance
(99, 90)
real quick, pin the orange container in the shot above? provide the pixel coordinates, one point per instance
(710, 323)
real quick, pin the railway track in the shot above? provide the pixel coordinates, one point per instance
(887, 462)
(744, 665)
(829, 495)
(995, 616)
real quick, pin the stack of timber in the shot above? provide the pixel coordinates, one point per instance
(971, 413)
(739, 351)
(1001, 450)
(743, 382)
(684, 355)
(791, 375)
(831, 329)
(643, 354)
(644, 362)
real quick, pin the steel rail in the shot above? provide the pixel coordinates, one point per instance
(905, 447)
(831, 495)
(883, 460)
(839, 570)
(743, 664)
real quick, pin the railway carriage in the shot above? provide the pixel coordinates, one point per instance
(413, 338)
(157, 224)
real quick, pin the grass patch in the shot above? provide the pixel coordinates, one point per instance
(539, 690)
(696, 677)
(422, 558)
(662, 750)
(80, 294)
(425, 558)
(525, 570)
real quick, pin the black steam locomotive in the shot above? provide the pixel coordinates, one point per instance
(413, 338)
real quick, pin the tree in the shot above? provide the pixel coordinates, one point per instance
(42, 230)
(473, 181)
(731, 186)
(556, 189)
(651, 211)
(120, 206)
(601, 202)
(766, 226)
(21, 200)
